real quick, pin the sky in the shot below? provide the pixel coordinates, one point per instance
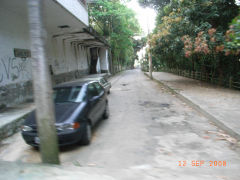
(146, 16)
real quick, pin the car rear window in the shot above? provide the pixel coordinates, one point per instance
(102, 81)
(92, 90)
(66, 94)
(99, 88)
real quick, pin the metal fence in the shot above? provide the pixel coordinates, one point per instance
(230, 82)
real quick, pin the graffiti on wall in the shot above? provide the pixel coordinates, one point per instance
(12, 69)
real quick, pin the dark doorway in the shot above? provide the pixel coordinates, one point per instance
(94, 59)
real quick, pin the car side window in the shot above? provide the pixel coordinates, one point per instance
(92, 91)
(99, 88)
(75, 93)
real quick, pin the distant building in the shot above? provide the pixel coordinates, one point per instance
(73, 48)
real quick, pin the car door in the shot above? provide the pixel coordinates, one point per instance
(102, 100)
(93, 102)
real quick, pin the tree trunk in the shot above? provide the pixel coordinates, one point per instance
(42, 86)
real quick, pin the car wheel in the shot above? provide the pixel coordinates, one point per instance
(106, 112)
(108, 92)
(87, 135)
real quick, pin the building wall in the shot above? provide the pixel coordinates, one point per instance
(68, 61)
(15, 73)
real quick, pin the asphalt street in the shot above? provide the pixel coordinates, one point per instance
(149, 129)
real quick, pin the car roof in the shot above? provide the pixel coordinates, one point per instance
(92, 78)
(79, 82)
(103, 75)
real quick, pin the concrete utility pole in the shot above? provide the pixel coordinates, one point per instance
(149, 54)
(150, 62)
(42, 86)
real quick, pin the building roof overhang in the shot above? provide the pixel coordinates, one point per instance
(87, 37)
(59, 22)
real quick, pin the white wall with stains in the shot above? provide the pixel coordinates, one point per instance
(66, 56)
(63, 56)
(13, 34)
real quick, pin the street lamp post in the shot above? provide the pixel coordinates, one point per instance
(149, 54)
(150, 62)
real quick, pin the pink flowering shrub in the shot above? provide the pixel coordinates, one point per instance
(188, 45)
(200, 44)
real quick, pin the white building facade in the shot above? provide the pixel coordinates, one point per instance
(73, 48)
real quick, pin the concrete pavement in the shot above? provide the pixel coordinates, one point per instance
(150, 135)
(218, 104)
(24, 171)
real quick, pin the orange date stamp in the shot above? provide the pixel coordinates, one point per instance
(199, 163)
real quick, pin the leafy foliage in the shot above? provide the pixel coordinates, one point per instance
(118, 24)
(195, 35)
(233, 42)
(138, 45)
(156, 4)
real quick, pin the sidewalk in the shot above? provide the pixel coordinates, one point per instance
(12, 118)
(220, 105)
(27, 171)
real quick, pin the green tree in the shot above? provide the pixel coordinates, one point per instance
(138, 44)
(119, 25)
(195, 35)
(156, 4)
(233, 34)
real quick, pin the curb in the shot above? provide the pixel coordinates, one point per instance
(12, 127)
(196, 107)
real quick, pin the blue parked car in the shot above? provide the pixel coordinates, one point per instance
(78, 107)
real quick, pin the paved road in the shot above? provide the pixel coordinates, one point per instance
(149, 130)
(222, 103)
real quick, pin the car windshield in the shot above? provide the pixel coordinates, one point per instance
(66, 94)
